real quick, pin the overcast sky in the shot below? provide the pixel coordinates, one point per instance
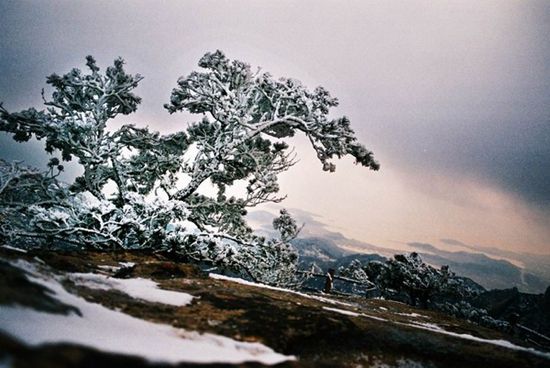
(453, 98)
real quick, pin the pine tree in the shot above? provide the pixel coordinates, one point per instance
(245, 120)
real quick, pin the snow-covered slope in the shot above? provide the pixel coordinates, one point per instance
(64, 310)
(96, 326)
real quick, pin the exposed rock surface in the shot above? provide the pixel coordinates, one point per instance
(319, 330)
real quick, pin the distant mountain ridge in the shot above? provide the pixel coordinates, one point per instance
(488, 272)
(491, 273)
(493, 279)
(490, 267)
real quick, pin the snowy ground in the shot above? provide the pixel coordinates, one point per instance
(320, 329)
(116, 332)
(137, 288)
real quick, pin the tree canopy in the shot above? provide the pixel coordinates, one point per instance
(245, 121)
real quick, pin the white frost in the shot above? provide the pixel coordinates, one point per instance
(116, 332)
(138, 288)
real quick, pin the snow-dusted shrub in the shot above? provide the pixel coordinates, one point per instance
(407, 277)
(141, 189)
(465, 310)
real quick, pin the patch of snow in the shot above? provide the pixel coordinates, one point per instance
(438, 329)
(342, 311)
(109, 268)
(138, 288)
(502, 343)
(383, 308)
(5, 246)
(126, 264)
(39, 260)
(116, 268)
(375, 318)
(250, 283)
(431, 326)
(413, 315)
(322, 299)
(116, 332)
(354, 314)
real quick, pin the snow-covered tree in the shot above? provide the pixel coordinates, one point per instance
(408, 273)
(157, 203)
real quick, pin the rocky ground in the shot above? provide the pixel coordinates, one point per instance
(317, 330)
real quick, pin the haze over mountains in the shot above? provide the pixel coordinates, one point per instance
(491, 267)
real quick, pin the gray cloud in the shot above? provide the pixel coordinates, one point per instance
(460, 88)
(514, 156)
